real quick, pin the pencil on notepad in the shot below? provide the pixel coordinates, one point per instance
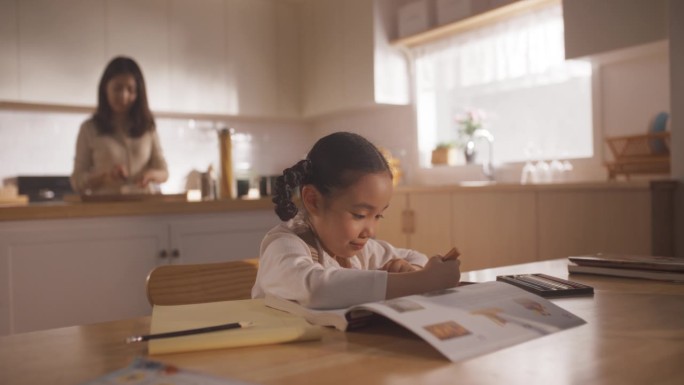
(179, 333)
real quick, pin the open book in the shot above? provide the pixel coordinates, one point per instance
(461, 322)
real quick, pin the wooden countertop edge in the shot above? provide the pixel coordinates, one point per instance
(112, 209)
(567, 186)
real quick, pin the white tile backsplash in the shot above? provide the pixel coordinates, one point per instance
(43, 143)
(390, 127)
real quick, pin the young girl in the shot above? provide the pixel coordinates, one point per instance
(118, 149)
(325, 256)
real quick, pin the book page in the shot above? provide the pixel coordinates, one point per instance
(471, 320)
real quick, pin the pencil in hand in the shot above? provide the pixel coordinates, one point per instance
(451, 254)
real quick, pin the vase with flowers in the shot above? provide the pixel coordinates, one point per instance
(470, 122)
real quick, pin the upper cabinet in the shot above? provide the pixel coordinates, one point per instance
(232, 57)
(61, 50)
(139, 29)
(596, 26)
(263, 46)
(9, 60)
(347, 62)
(197, 57)
(253, 58)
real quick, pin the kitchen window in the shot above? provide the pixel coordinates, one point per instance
(537, 104)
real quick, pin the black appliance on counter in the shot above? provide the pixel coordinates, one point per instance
(42, 188)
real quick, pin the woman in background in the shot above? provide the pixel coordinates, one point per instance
(118, 149)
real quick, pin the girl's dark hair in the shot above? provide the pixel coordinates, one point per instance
(334, 163)
(140, 113)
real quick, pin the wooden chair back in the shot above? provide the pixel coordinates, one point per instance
(201, 283)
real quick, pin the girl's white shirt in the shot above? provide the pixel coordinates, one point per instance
(293, 269)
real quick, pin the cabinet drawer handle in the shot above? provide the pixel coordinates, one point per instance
(163, 254)
(175, 253)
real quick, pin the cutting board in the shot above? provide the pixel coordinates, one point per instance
(126, 198)
(14, 200)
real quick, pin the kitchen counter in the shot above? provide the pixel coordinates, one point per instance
(65, 210)
(475, 186)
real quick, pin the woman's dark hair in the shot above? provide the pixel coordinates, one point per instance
(140, 113)
(335, 162)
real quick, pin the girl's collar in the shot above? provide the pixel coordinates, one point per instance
(306, 231)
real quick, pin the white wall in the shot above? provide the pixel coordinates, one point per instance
(635, 86)
(391, 127)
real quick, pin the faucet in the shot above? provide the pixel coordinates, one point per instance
(488, 166)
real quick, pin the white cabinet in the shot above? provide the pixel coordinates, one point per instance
(494, 228)
(489, 228)
(419, 221)
(139, 29)
(9, 46)
(518, 224)
(431, 230)
(62, 273)
(214, 238)
(585, 222)
(58, 273)
(597, 26)
(392, 226)
(61, 50)
(197, 57)
(237, 57)
(262, 58)
(347, 62)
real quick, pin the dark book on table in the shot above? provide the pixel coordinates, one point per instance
(629, 266)
(634, 262)
(658, 275)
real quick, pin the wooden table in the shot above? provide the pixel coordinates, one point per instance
(634, 335)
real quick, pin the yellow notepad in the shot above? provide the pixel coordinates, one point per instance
(270, 326)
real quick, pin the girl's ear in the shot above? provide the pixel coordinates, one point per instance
(311, 199)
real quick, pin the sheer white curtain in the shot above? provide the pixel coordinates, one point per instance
(538, 104)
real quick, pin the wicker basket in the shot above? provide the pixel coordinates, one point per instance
(639, 154)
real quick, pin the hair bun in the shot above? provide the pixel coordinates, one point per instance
(286, 210)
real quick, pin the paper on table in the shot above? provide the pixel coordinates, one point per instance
(270, 326)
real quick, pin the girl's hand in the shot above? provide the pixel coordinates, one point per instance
(443, 272)
(398, 265)
(438, 274)
(451, 254)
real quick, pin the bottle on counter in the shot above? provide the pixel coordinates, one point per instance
(208, 184)
(226, 180)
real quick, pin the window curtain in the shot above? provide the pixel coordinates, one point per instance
(489, 68)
